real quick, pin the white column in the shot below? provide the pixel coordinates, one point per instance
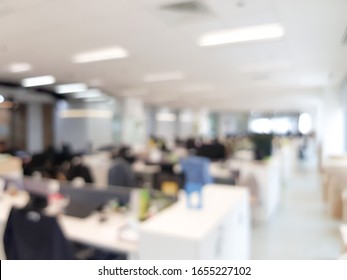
(333, 122)
(201, 122)
(232, 123)
(134, 122)
(166, 123)
(34, 128)
(185, 123)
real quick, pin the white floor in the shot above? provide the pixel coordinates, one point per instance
(301, 228)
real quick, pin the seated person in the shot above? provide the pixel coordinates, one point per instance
(121, 174)
(78, 169)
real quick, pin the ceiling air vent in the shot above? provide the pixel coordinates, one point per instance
(183, 12)
(192, 7)
(344, 37)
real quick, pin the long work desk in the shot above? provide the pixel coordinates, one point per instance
(221, 230)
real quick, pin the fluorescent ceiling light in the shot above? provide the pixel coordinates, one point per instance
(246, 34)
(161, 77)
(100, 55)
(86, 113)
(70, 88)
(38, 81)
(19, 67)
(89, 94)
(2, 99)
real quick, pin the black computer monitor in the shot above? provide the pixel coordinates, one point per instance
(83, 201)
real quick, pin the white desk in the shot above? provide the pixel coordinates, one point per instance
(219, 171)
(221, 228)
(89, 231)
(92, 232)
(141, 168)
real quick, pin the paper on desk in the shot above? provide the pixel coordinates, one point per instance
(129, 233)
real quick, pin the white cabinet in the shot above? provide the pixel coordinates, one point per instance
(263, 179)
(220, 230)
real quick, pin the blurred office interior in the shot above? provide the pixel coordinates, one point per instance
(173, 129)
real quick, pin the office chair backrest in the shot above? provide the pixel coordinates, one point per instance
(120, 174)
(32, 236)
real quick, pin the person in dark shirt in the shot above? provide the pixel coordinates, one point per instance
(121, 174)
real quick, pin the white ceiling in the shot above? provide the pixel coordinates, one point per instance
(285, 73)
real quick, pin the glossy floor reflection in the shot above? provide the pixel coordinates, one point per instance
(301, 229)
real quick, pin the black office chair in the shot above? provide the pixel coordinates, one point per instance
(30, 235)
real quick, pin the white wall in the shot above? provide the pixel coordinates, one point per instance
(232, 123)
(333, 122)
(167, 129)
(82, 131)
(150, 121)
(133, 122)
(202, 124)
(344, 104)
(185, 124)
(34, 128)
(99, 132)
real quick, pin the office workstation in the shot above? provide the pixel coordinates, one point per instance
(149, 129)
(83, 218)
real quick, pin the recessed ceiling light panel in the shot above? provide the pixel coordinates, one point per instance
(100, 55)
(71, 88)
(19, 67)
(38, 81)
(245, 34)
(92, 93)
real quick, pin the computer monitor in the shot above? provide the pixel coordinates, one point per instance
(83, 201)
(41, 187)
(10, 182)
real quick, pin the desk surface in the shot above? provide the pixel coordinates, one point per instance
(90, 231)
(103, 235)
(178, 220)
